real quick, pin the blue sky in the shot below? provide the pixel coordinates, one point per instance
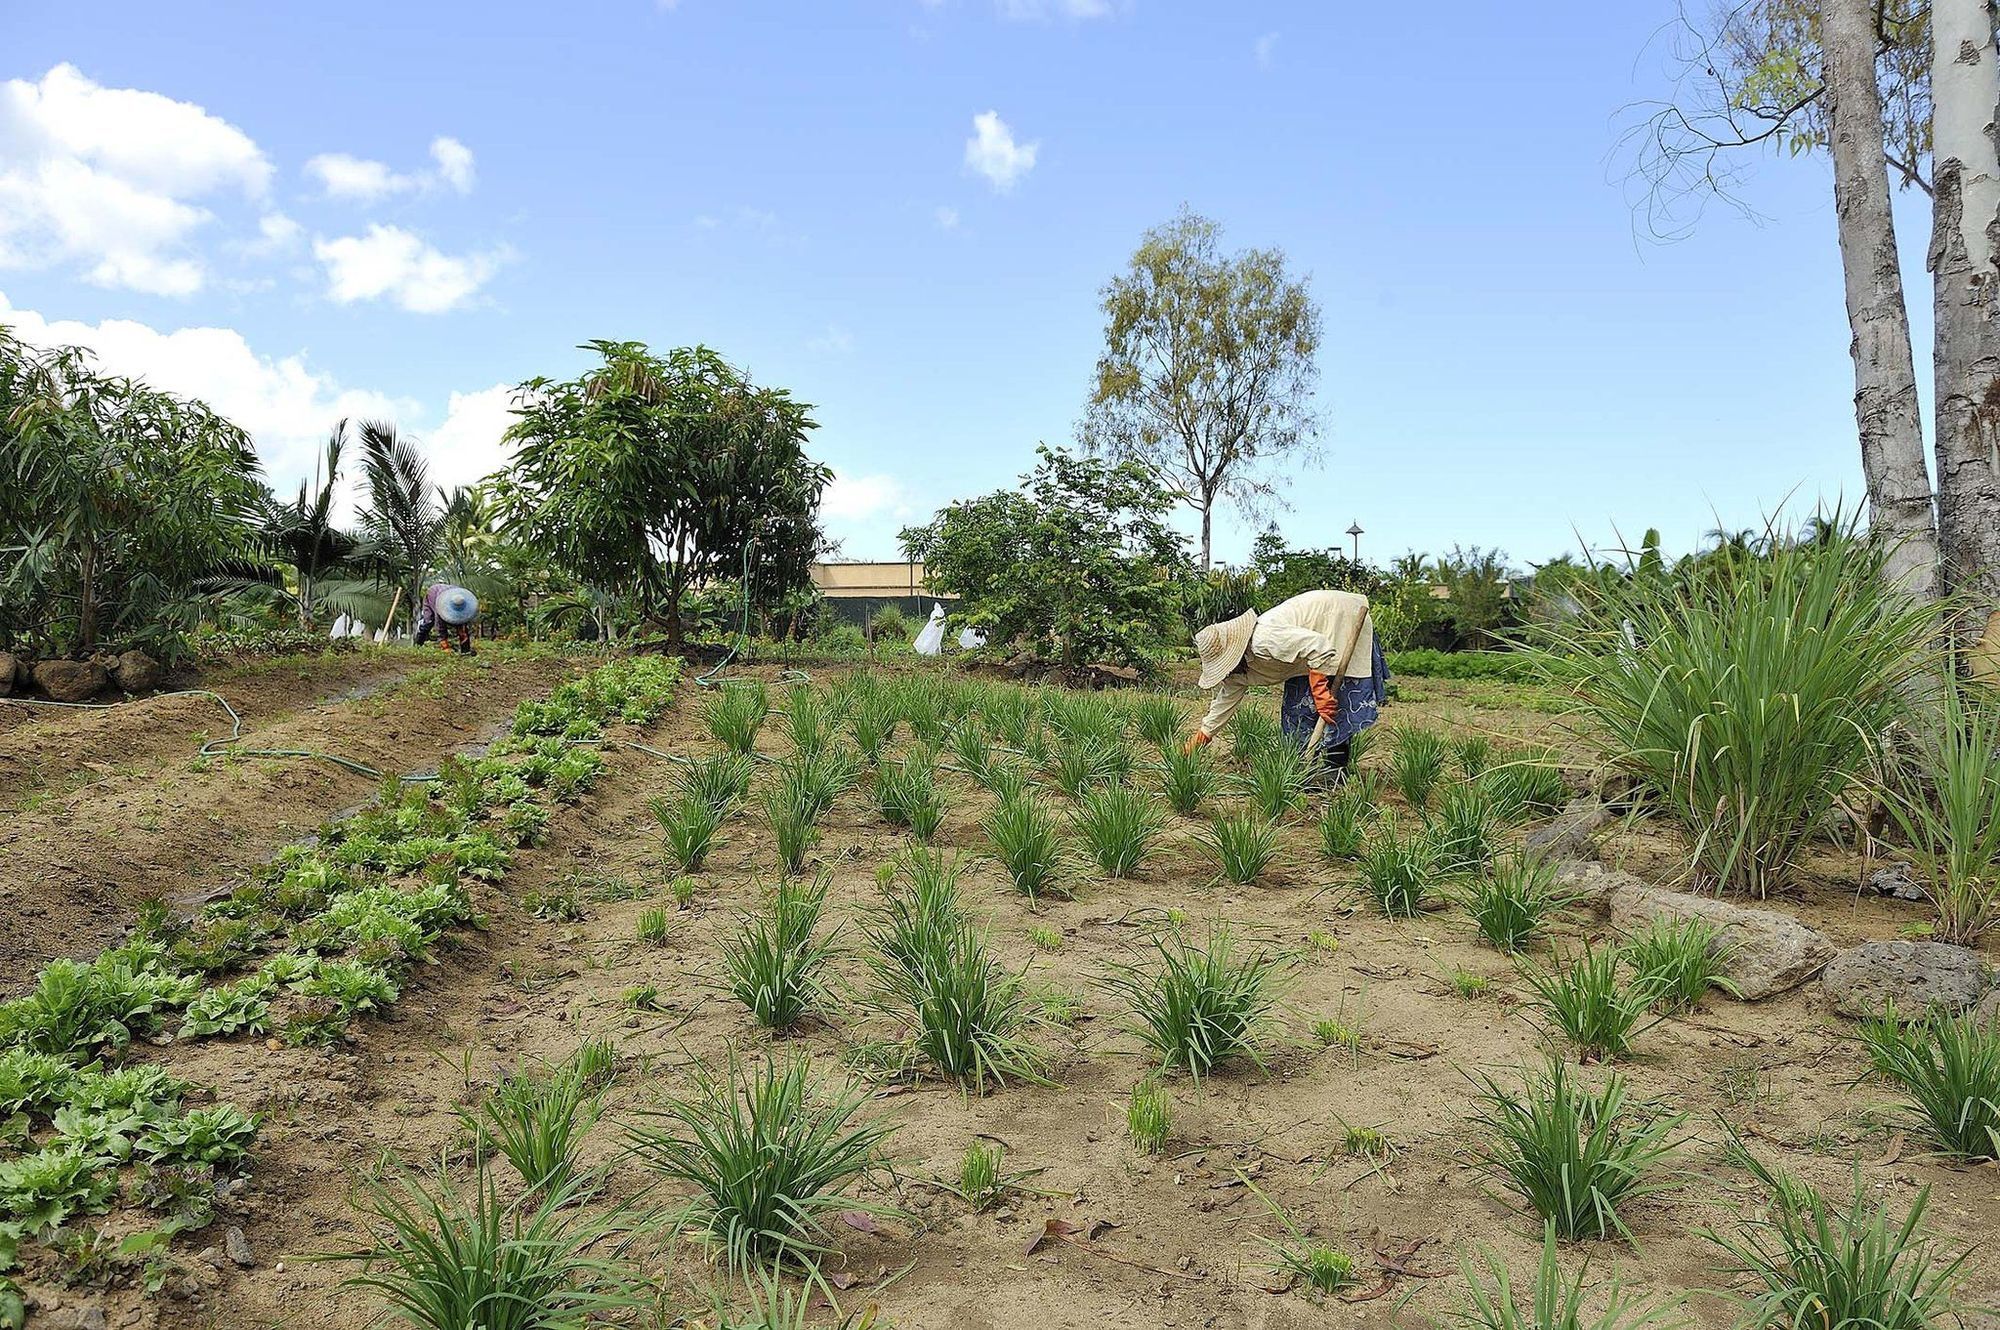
(405, 208)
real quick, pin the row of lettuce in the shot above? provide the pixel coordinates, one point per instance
(326, 931)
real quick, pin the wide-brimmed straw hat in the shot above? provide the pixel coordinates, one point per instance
(1222, 645)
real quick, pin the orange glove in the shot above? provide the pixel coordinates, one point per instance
(1200, 739)
(1324, 700)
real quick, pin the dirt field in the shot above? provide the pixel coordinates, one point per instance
(108, 808)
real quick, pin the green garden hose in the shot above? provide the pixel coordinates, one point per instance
(708, 679)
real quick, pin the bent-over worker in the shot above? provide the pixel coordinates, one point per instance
(1321, 646)
(447, 611)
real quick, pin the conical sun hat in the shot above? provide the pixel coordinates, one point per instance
(1222, 645)
(457, 606)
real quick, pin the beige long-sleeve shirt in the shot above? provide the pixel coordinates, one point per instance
(1303, 635)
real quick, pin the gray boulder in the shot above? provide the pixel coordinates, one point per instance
(136, 672)
(1916, 976)
(1894, 880)
(10, 664)
(1570, 834)
(70, 680)
(1763, 952)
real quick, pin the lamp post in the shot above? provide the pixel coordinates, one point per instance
(1356, 532)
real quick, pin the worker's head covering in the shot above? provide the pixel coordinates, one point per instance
(457, 606)
(1222, 645)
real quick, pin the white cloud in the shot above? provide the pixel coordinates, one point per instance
(993, 152)
(947, 217)
(1041, 10)
(850, 499)
(454, 163)
(835, 341)
(284, 402)
(276, 233)
(360, 179)
(108, 178)
(466, 448)
(1265, 47)
(391, 263)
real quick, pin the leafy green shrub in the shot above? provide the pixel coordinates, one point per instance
(1576, 1158)
(1186, 778)
(1949, 1067)
(1588, 1002)
(1198, 1006)
(1747, 701)
(1416, 762)
(773, 962)
(1679, 959)
(1117, 824)
(32, 1083)
(243, 1007)
(1026, 841)
(43, 1188)
(688, 826)
(1242, 846)
(76, 1007)
(1429, 663)
(771, 1158)
(217, 1138)
(1510, 903)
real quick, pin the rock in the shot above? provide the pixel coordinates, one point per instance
(70, 680)
(90, 1318)
(136, 672)
(10, 665)
(1591, 883)
(1763, 952)
(1569, 835)
(238, 1247)
(1916, 976)
(1894, 880)
(1988, 1010)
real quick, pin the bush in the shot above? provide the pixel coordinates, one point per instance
(1428, 663)
(1747, 700)
(688, 826)
(907, 794)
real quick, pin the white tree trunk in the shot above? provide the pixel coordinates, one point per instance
(1965, 269)
(1885, 375)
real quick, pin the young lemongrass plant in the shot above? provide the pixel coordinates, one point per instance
(1510, 903)
(1579, 1159)
(774, 962)
(1398, 869)
(969, 1017)
(1343, 826)
(536, 1120)
(688, 826)
(1749, 697)
(1149, 1115)
(1159, 720)
(980, 1182)
(441, 1259)
(1089, 761)
(1010, 713)
(1252, 730)
(1474, 753)
(924, 907)
(1117, 825)
(922, 702)
(1005, 778)
(771, 1158)
(1948, 808)
(971, 749)
(1681, 959)
(1186, 778)
(1197, 1007)
(821, 775)
(1242, 846)
(907, 794)
(1081, 717)
(1949, 1067)
(1462, 830)
(794, 828)
(1587, 1002)
(1556, 1300)
(1026, 841)
(1277, 779)
(1416, 763)
(1525, 786)
(872, 722)
(735, 713)
(809, 720)
(1813, 1263)
(1323, 1269)
(719, 780)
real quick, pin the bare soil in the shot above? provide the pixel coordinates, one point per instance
(1181, 1244)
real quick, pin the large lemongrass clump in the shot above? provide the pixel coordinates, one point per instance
(1746, 693)
(1948, 808)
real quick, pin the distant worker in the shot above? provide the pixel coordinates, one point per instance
(1321, 645)
(447, 611)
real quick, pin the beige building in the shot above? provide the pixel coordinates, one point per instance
(854, 591)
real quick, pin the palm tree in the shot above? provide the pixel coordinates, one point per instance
(404, 516)
(301, 533)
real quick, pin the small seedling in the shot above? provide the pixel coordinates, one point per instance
(561, 901)
(1469, 985)
(641, 997)
(1368, 1142)
(1149, 1116)
(979, 1179)
(655, 926)
(1339, 1032)
(1045, 937)
(1324, 1270)
(682, 888)
(1321, 943)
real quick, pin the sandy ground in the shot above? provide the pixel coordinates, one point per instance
(1183, 1246)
